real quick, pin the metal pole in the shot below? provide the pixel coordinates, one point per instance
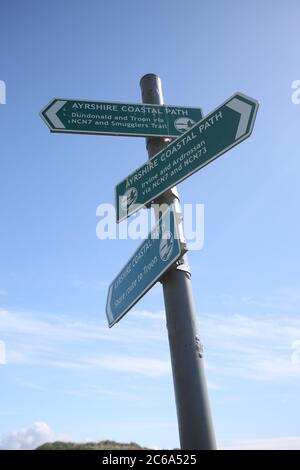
(193, 410)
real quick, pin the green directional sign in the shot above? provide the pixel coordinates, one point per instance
(155, 255)
(221, 130)
(139, 120)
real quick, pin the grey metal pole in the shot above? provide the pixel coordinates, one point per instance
(192, 403)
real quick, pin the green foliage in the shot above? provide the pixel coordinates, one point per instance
(102, 445)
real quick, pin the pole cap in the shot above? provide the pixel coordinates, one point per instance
(150, 77)
(151, 89)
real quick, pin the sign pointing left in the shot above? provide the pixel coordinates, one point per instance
(139, 120)
(155, 255)
(52, 116)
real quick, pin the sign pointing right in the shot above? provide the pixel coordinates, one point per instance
(221, 130)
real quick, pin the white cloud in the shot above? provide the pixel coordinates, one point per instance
(31, 385)
(251, 347)
(285, 299)
(213, 385)
(27, 438)
(256, 347)
(275, 443)
(61, 328)
(136, 365)
(2, 353)
(149, 315)
(3, 292)
(53, 341)
(127, 364)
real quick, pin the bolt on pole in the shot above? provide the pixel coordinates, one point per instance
(193, 411)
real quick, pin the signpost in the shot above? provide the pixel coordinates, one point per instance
(162, 256)
(221, 130)
(139, 120)
(155, 255)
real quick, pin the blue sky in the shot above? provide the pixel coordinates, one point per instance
(64, 367)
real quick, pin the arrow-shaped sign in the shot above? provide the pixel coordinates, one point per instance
(221, 130)
(155, 255)
(51, 114)
(140, 120)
